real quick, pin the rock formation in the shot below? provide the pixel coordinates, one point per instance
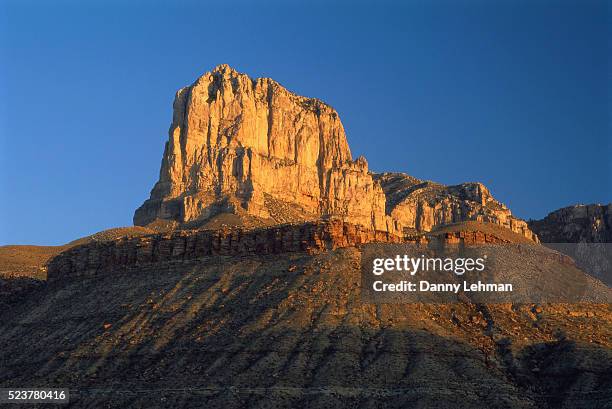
(575, 224)
(95, 258)
(590, 227)
(242, 145)
(423, 205)
(273, 316)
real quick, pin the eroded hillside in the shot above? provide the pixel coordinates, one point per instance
(290, 330)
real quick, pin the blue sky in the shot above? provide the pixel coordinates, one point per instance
(514, 94)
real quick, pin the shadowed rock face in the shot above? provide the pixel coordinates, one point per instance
(590, 226)
(242, 145)
(576, 224)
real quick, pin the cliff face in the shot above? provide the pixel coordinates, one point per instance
(238, 145)
(242, 144)
(96, 258)
(423, 205)
(135, 253)
(576, 224)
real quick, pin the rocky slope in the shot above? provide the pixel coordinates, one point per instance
(242, 145)
(289, 329)
(575, 224)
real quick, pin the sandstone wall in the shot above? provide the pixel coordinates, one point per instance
(238, 144)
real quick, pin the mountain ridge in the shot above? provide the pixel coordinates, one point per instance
(238, 144)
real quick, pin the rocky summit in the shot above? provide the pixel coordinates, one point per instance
(238, 144)
(249, 146)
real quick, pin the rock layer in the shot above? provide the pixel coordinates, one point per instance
(103, 257)
(135, 253)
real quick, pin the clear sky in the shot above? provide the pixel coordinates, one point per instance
(514, 94)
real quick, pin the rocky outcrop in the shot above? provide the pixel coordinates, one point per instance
(238, 144)
(135, 253)
(590, 228)
(108, 256)
(576, 224)
(423, 205)
(241, 145)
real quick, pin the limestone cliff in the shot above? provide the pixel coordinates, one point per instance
(239, 144)
(574, 224)
(423, 205)
(249, 146)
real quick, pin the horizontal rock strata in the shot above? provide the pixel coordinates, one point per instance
(98, 257)
(103, 257)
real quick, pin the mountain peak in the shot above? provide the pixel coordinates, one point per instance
(243, 145)
(223, 68)
(251, 147)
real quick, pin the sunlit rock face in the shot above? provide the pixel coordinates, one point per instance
(422, 206)
(249, 146)
(240, 144)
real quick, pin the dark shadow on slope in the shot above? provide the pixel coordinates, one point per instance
(271, 332)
